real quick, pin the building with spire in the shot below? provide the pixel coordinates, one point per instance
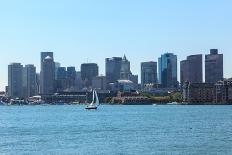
(125, 71)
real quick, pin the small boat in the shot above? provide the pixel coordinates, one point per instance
(172, 103)
(154, 104)
(95, 102)
(18, 101)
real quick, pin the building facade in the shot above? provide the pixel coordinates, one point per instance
(15, 81)
(88, 72)
(198, 93)
(113, 69)
(223, 91)
(61, 81)
(29, 81)
(99, 82)
(191, 69)
(213, 67)
(168, 70)
(43, 55)
(71, 78)
(125, 71)
(47, 79)
(148, 73)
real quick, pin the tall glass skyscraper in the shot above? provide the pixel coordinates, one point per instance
(168, 70)
(213, 66)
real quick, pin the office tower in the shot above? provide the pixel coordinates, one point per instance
(37, 83)
(78, 81)
(47, 76)
(99, 82)
(112, 69)
(148, 73)
(125, 71)
(57, 65)
(213, 66)
(191, 69)
(15, 82)
(61, 81)
(168, 70)
(44, 55)
(71, 77)
(88, 72)
(29, 81)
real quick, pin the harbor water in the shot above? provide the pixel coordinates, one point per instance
(129, 130)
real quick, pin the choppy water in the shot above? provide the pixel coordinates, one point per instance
(132, 130)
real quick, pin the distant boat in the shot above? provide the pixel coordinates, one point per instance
(18, 101)
(154, 104)
(172, 103)
(95, 102)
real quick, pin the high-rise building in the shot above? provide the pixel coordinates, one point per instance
(113, 69)
(47, 80)
(148, 73)
(15, 81)
(125, 71)
(61, 81)
(44, 55)
(191, 69)
(213, 66)
(99, 82)
(168, 70)
(29, 81)
(88, 72)
(57, 65)
(71, 77)
(78, 81)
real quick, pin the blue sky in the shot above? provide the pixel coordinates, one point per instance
(78, 31)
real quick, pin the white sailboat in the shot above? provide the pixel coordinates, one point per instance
(95, 102)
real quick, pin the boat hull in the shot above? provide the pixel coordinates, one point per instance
(91, 108)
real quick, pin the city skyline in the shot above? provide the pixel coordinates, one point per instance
(38, 69)
(141, 30)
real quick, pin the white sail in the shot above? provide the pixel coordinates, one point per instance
(97, 100)
(94, 103)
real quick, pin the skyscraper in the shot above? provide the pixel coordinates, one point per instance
(47, 76)
(29, 81)
(148, 73)
(213, 66)
(191, 69)
(113, 69)
(78, 81)
(15, 82)
(99, 82)
(57, 65)
(61, 81)
(71, 77)
(125, 71)
(44, 55)
(88, 72)
(168, 70)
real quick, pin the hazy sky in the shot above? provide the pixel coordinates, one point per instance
(78, 31)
